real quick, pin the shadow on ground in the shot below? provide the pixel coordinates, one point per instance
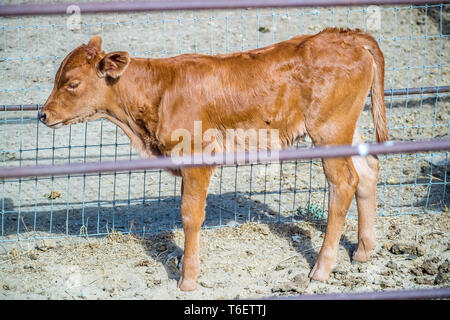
(155, 222)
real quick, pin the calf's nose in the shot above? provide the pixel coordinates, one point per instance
(42, 116)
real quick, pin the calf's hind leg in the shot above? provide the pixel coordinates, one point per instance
(342, 180)
(367, 168)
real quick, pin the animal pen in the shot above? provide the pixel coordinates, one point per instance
(413, 37)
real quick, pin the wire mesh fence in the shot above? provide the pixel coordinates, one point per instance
(413, 38)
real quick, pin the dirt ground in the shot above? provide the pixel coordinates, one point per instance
(234, 257)
(246, 261)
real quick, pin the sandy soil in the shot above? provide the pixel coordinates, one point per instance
(245, 261)
(146, 203)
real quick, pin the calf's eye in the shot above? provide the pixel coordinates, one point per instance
(73, 85)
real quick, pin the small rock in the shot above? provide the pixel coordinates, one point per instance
(33, 256)
(406, 171)
(358, 281)
(424, 280)
(153, 283)
(442, 278)
(301, 280)
(49, 243)
(339, 271)
(391, 265)
(5, 287)
(396, 249)
(298, 284)
(157, 282)
(205, 285)
(46, 245)
(347, 283)
(232, 223)
(264, 229)
(362, 268)
(143, 263)
(444, 267)
(400, 248)
(162, 247)
(280, 267)
(306, 232)
(337, 276)
(10, 156)
(391, 181)
(93, 245)
(53, 195)
(416, 271)
(429, 268)
(435, 260)
(420, 251)
(386, 273)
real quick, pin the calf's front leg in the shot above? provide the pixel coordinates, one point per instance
(194, 191)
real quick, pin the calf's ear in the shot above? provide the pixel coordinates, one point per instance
(96, 43)
(113, 64)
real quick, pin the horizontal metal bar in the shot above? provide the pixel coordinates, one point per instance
(390, 92)
(158, 5)
(416, 294)
(225, 158)
(20, 107)
(423, 90)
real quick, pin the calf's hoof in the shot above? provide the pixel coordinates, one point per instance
(365, 246)
(360, 256)
(319, 274)
(187, 284)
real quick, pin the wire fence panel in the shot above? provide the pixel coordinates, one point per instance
(413, 38)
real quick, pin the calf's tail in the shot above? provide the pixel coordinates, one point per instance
(377, 90)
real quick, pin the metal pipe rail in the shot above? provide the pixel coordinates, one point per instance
(389, 92)
(416, 294)
(158, 5)
(225, 159)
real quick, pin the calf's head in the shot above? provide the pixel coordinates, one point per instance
(83, 85)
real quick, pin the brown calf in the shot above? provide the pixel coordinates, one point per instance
(310, 84)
